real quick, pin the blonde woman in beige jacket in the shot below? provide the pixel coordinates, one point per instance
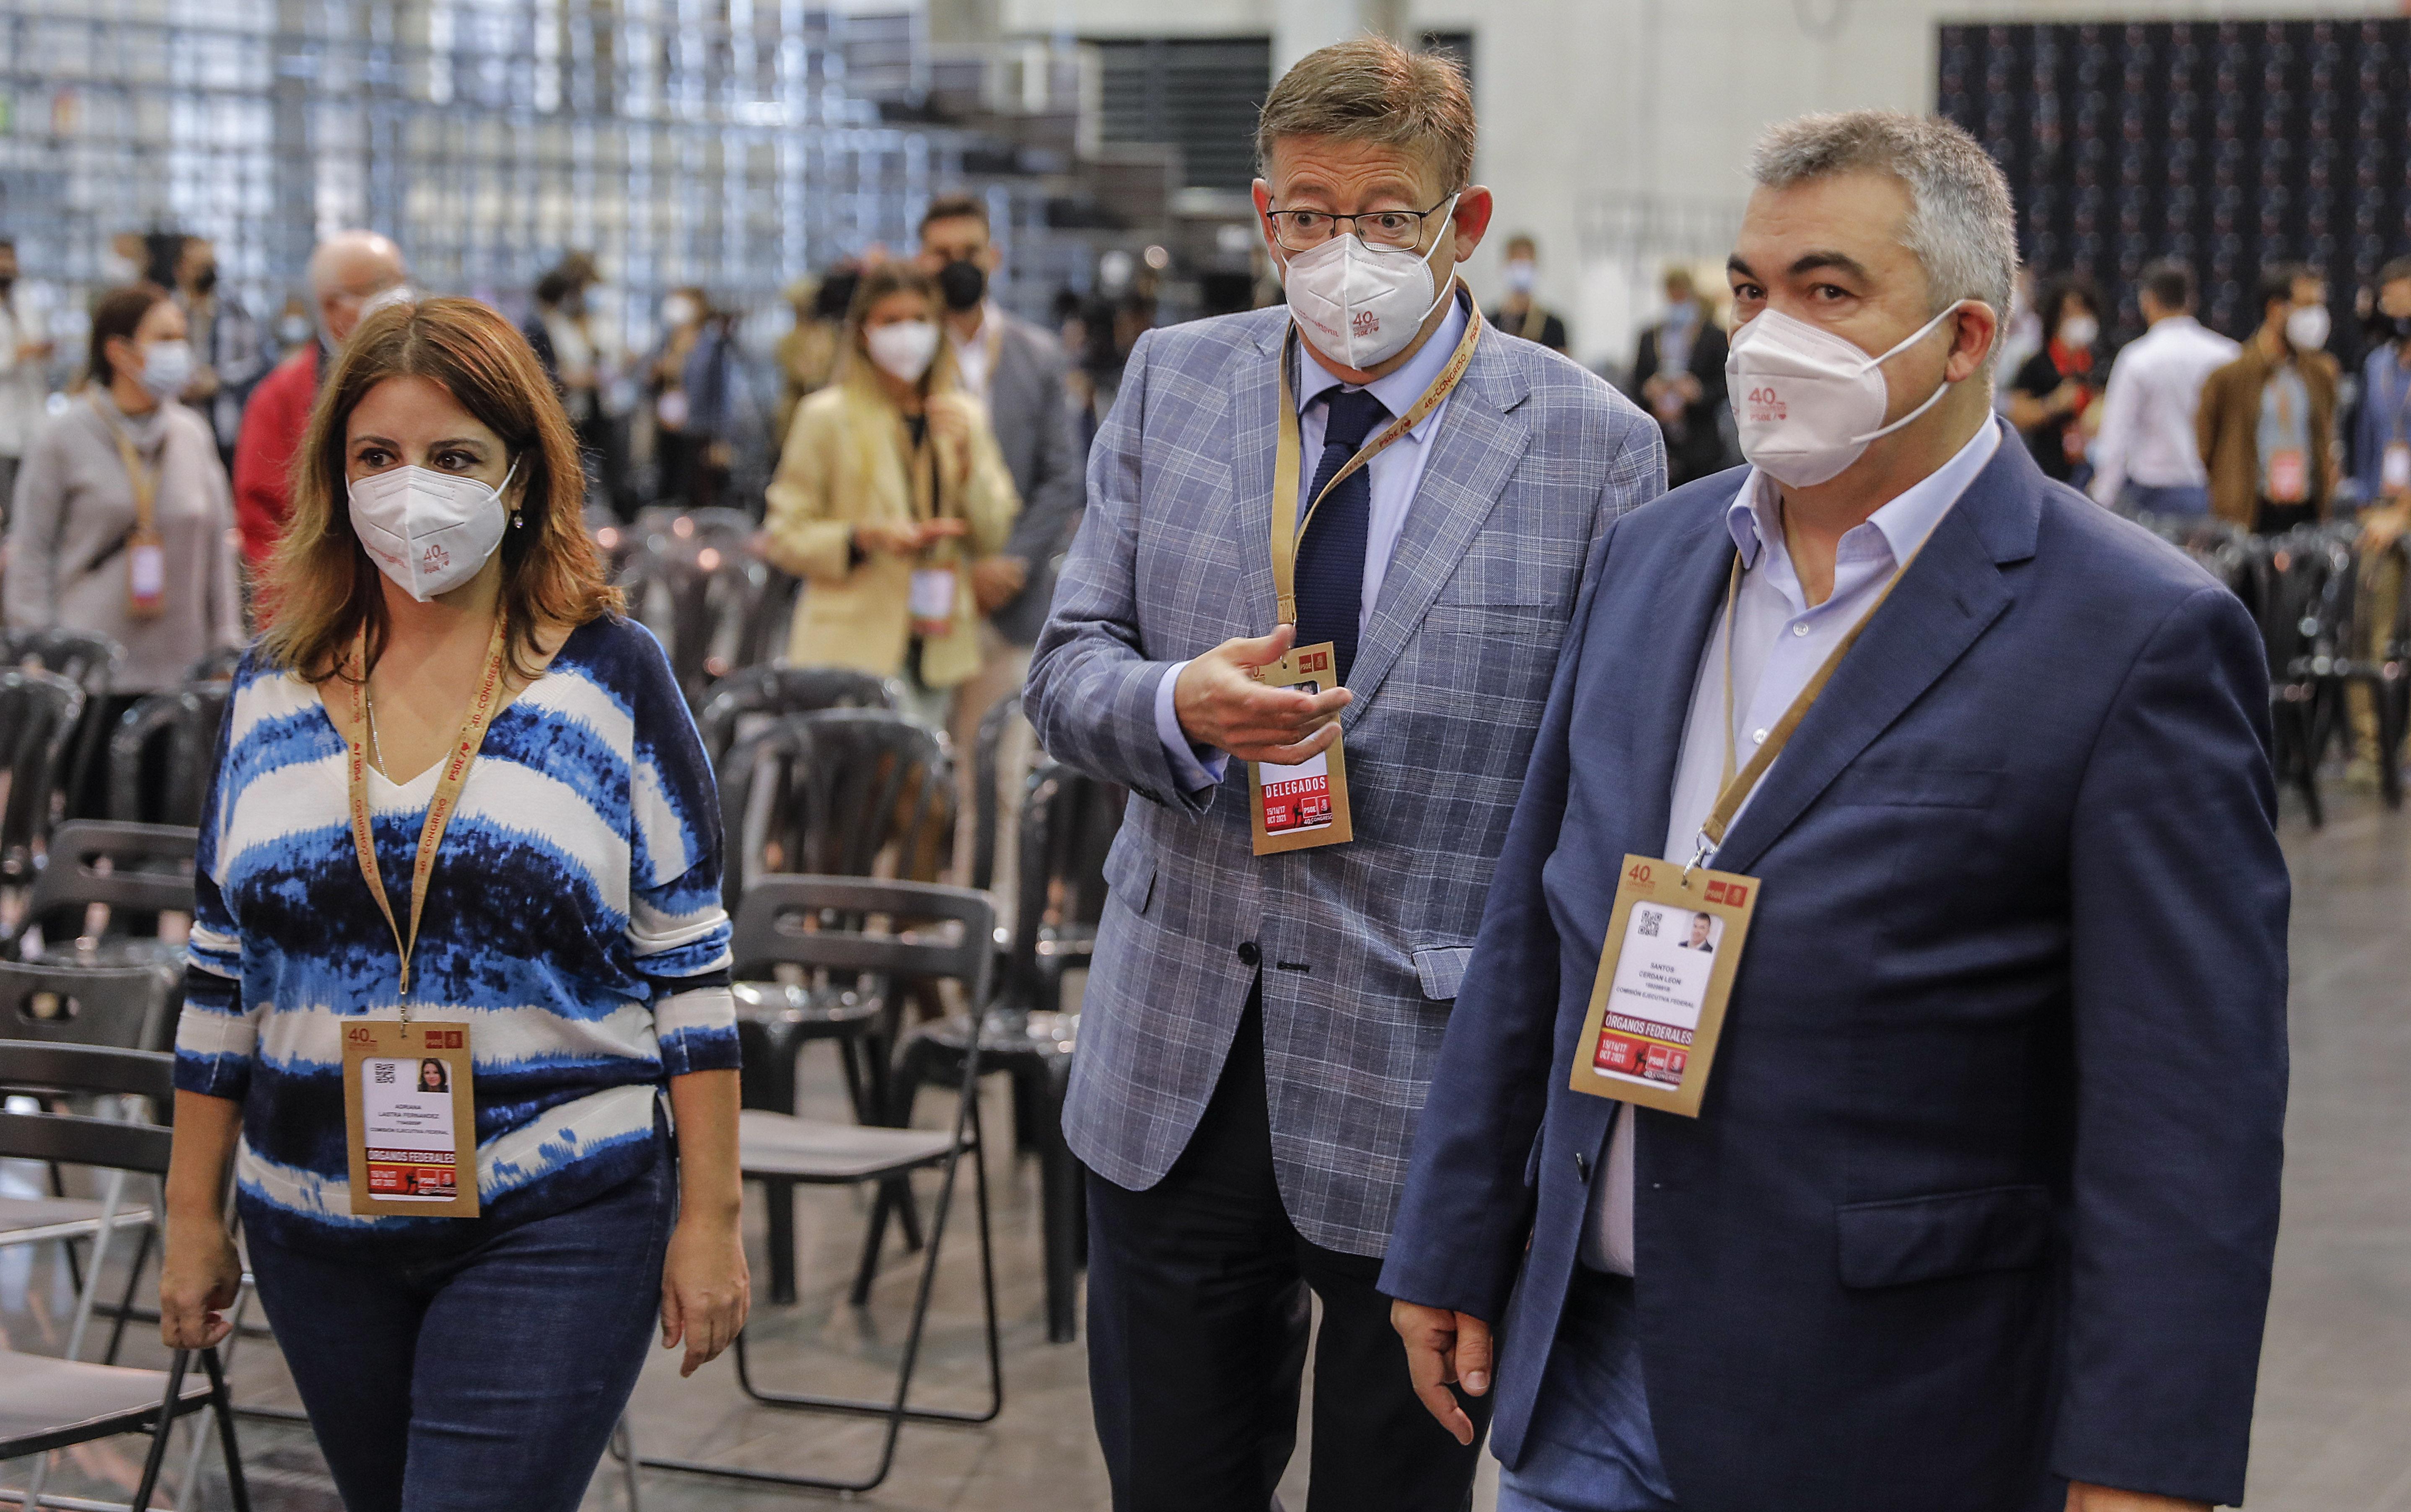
(889, 491)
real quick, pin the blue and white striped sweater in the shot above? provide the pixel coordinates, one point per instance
(572, 921)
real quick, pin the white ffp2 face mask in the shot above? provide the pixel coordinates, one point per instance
(904, 349)
(166, 367)
(1360, 305)
(2307, 327)
(1807, 402)
(428, 532)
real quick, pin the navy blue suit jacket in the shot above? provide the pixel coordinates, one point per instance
(1984, 1191)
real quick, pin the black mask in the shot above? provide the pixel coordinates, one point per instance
(204, 280)
(963, 283)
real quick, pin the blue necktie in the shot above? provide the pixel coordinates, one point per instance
(1331, 558)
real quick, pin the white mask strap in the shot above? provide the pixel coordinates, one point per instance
(1931, 399)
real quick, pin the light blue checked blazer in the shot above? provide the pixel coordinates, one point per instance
(1361, 945)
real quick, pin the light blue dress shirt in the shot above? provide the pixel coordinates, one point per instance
(1779, 643)
(1395, 474)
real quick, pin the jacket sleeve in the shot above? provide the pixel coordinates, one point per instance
(1458, 1239)
(802, 537)
(2178, 897)
(272, 423)
(991, 507)
(1052, 511)
(1091, 690)
(34, 517)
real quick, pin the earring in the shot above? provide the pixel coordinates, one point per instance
(517, 520)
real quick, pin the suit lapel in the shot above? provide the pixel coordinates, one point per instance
(1474, 449)
(1952, 592)
(1653, 701)
(1254, 388)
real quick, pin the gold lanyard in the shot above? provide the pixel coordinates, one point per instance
(482, 709)
(1738, 786)
(146, 485)
(1287, 527)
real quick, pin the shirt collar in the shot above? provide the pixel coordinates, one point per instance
(977, 338)
(1398, 391)
(1756, 515)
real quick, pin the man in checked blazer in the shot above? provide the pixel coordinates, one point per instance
(1258, 1032)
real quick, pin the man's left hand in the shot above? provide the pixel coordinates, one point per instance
(1444, 1349)
(996, 579)
(2085, 1498)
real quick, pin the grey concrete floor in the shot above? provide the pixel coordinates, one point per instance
(2333, 1434)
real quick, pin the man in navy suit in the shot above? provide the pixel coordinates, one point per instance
(1977, 1214)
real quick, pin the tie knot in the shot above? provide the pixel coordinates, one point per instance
(1353, 415)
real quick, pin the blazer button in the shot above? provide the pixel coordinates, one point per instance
(1248, 955)
(1581, 1168)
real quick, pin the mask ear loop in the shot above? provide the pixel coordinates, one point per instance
(1448, 224)
(1931, 399)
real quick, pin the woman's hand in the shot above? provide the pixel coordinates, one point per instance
(897, 538)
(706, 1288)
(198, 1278)
(949, 424)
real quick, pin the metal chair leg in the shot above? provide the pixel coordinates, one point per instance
(623, 1444)
(898, 1411)
(222, 1408)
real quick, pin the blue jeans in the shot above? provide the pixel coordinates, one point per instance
(1590, 1448)
(2165, 499)
(487, 1381)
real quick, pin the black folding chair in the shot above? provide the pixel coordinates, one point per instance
(842, 793)
(929, 932)
(133, 873)
(172, 734)
(38, 711)
(1068, 823)
(52, 1403)
(759, 694)
(89, 659)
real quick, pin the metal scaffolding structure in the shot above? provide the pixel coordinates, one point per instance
(730, 144)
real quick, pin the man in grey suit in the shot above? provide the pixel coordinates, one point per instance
(1016, 369)
(1258, 1031)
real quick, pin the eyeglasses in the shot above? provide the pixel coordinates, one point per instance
(1303, 230)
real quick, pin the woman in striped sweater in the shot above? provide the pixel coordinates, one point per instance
(570, 923)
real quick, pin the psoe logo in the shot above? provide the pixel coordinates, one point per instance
(434, 558)
(1765, 404)
(1364, 323)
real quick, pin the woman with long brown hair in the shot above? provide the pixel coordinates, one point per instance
(461, 816)
(890, 485)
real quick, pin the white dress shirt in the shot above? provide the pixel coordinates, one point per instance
(972, 357)
(1395, 474)
(2147, 433)
(1779, 643)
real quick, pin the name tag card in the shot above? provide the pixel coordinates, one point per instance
(1299, 808)
(410, 1120)
(1665, 974)
(2394, 468)
(2289, 476)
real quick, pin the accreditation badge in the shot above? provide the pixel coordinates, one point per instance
(1299, 808)
(1665, 974)
(2394, 468)
(410, 1118)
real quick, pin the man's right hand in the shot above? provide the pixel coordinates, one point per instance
(1444, 1349)
(1218, 705)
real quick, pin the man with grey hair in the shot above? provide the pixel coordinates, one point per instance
(1951, 1182)
(1268, 992)
(351, 273)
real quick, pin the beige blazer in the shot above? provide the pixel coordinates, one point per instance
(843, 465)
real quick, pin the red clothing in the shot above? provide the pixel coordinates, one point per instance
(274, 423)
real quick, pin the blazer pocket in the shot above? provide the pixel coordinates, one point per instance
(1442, 969)
(1129, 870)
(1914, 787)
(1898, 1243)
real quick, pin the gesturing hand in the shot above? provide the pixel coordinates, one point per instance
(1444, 1349)
(1218, 705)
